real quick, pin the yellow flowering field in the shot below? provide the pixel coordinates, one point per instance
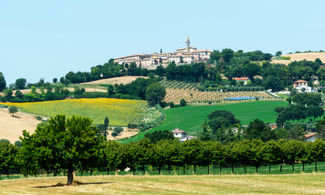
(119, 111)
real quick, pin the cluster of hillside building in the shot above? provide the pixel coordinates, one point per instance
(184, 55)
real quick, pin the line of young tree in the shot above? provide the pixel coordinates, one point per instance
(71, 144)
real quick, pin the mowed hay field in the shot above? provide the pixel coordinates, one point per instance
(312, 183)
(119, 111)
(302, 56)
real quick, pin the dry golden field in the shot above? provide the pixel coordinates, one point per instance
(11, 127)
(203, 184)
(116, 80)
(302, 56)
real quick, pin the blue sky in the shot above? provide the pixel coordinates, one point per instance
(46, 39)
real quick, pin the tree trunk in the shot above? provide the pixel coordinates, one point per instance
(169, 169)
(281, 167)
(144, 170)
(159, 169)
(184, 169)
(107, 171)
(293, 167)
(91, 172)
(316, 166)
(256, 169)
(269, 168)
(220, 169)
(232, 168)
(208, 169)
(70, 176)
(245, 171)
(195, 169)
(303, 167)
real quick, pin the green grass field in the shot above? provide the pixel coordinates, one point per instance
(190, 118)
(119, 111)
(312, 183)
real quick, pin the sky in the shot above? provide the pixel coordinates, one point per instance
(47, 39)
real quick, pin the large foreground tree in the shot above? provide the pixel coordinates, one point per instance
(63, 144)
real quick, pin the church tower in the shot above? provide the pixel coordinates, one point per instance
(187, 44)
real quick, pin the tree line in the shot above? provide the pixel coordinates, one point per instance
(138, 89)
(71, 144)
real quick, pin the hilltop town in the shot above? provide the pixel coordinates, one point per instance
(186, 55)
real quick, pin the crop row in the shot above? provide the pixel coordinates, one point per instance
(178, 85)
(195, 96)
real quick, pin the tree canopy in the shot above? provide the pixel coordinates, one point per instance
(2, 82)
(155, 93)
(64, 143)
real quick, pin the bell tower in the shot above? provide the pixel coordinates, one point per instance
(187, 44)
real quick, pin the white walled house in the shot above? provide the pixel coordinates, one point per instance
(310, 137)
(181, 135)
(178, 133)
(300, 85)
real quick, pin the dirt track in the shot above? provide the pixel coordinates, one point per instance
(11, 127)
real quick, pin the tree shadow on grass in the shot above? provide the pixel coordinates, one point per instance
(75, 183)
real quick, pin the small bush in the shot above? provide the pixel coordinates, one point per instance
(39, 118)
(12, 110)
(132, 126)
(183, 102)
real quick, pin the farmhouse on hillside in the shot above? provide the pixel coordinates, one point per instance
(302, 86)
(310, 137)
(244, 80)
(181, 135)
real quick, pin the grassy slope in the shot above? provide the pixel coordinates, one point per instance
(119, 111)
(221, 184)
(191, 118)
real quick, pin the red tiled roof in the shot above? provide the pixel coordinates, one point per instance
(240, 78)
(178, 131)
(300, 81)
(310, 135)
